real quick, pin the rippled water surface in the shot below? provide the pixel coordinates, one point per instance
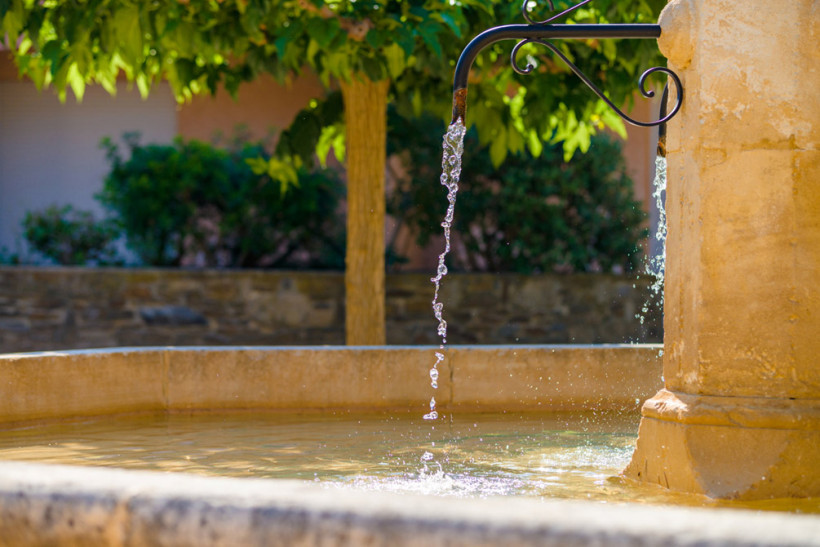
(572, 455)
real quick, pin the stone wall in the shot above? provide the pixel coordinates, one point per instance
(71, 308)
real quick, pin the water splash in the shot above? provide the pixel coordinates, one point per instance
(453, 149)
(656, 263)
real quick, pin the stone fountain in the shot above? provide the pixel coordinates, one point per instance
(742, 380)
(739, 416)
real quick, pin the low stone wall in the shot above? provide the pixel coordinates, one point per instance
(55, 385)
(72, 308)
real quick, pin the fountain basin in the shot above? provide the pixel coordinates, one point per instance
(43, 504)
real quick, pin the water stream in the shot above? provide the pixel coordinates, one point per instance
(453, 149)
(656, 259)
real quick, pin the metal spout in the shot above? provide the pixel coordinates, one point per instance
(540, 34)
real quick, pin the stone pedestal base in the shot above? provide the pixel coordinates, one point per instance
(729, 447)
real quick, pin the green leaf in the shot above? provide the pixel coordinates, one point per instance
(337, 63)
(304, 132)
(372, 68)
(396, 61)
(578, 139)
(498, 147)
(53, 51)
(13, 18)
(129, 34)
(143, 84)
(283, 172)
(323, 30)
(76, 81)
(405, 38)
(609, 49)
(416, 102)
(258, 165)
(312, 49)
(429, 33)
(534, 143)
(515, 141)
(376, 37)
(332, 137)
(451, 22)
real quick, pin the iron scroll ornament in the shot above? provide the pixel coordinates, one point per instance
(540, 32)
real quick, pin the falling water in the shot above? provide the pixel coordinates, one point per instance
(453, 146)
(655, 265)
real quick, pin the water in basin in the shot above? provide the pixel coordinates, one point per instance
(557, 455)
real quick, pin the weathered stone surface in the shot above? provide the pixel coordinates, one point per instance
(739, 416)
(73, 308)
(171, 315)
(63, 384)
(729, 447)
(70, 384)
(61, 505)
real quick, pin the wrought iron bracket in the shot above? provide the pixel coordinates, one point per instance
(543, 31)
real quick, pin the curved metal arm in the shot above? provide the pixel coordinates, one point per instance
(545, 32)
(540, 33)
(595, 89)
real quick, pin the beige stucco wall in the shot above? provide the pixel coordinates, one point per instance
(261, 106)
(49, 152)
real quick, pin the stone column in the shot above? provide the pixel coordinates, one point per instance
(740, 413)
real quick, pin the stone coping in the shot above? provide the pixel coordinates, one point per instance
(66, 384)
(52, 504)
(750, 412)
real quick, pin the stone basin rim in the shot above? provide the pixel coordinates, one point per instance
(429, 347)
(144, 507)
(39, 386)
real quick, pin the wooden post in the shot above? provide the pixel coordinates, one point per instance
(366, 120)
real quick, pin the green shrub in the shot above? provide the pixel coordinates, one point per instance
(530, 214)
(71, 237)
(190, 203)
(8, 258)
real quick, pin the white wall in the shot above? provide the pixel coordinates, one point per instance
(49, 152)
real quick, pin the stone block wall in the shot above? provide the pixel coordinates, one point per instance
(72, 308)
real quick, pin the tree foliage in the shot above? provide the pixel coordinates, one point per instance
(197, 45)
